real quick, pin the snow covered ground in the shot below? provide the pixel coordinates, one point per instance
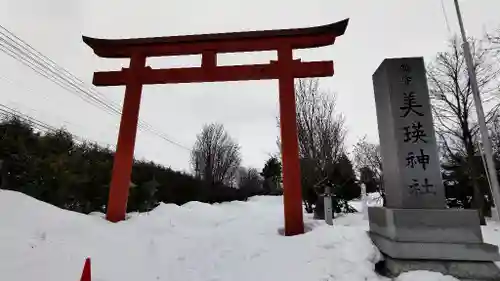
(235, 241)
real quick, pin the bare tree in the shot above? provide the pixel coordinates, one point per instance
(321, 134)
(320, 130)
(367, 156)
(494, 40)
(249, 180)
(495, 134)
(215, 157)
(453, 104)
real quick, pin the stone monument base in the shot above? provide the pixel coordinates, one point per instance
(463, 270)
(443, 240)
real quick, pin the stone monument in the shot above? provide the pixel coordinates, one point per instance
(415, 231)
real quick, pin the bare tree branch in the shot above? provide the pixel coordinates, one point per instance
(451, 94)
(321, 134)
(453, 104)
(215, 157)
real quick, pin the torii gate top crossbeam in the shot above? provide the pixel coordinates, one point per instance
(209, 45)
(246, 41)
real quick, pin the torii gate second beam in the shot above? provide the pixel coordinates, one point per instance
(285, 69)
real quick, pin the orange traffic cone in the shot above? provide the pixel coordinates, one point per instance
(86, 271)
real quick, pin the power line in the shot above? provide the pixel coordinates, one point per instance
(40, 125)
(23, 52)
(29, 90)
(41, 72)
(8, 112)
(45, 62)
(38, 65)
(159, 134)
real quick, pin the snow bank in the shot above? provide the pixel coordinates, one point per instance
(491, 233)
(229, 241)
(196, 241)
(422, 275)
(372, 199)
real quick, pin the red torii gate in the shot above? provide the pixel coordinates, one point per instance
(209, 45)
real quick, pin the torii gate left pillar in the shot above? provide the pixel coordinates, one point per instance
(285, 69)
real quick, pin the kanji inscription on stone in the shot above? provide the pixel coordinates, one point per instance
(412, 176)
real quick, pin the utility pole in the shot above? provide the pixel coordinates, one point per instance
(488, 151)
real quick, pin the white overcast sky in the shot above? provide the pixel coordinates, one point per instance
(248, 110)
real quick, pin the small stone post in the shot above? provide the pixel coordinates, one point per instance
(328, 205)
(364, 201)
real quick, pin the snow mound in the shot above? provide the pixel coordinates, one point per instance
(372, 199)
(196, 241)
(424, 275)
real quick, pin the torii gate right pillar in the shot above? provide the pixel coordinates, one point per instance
(289, 145)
